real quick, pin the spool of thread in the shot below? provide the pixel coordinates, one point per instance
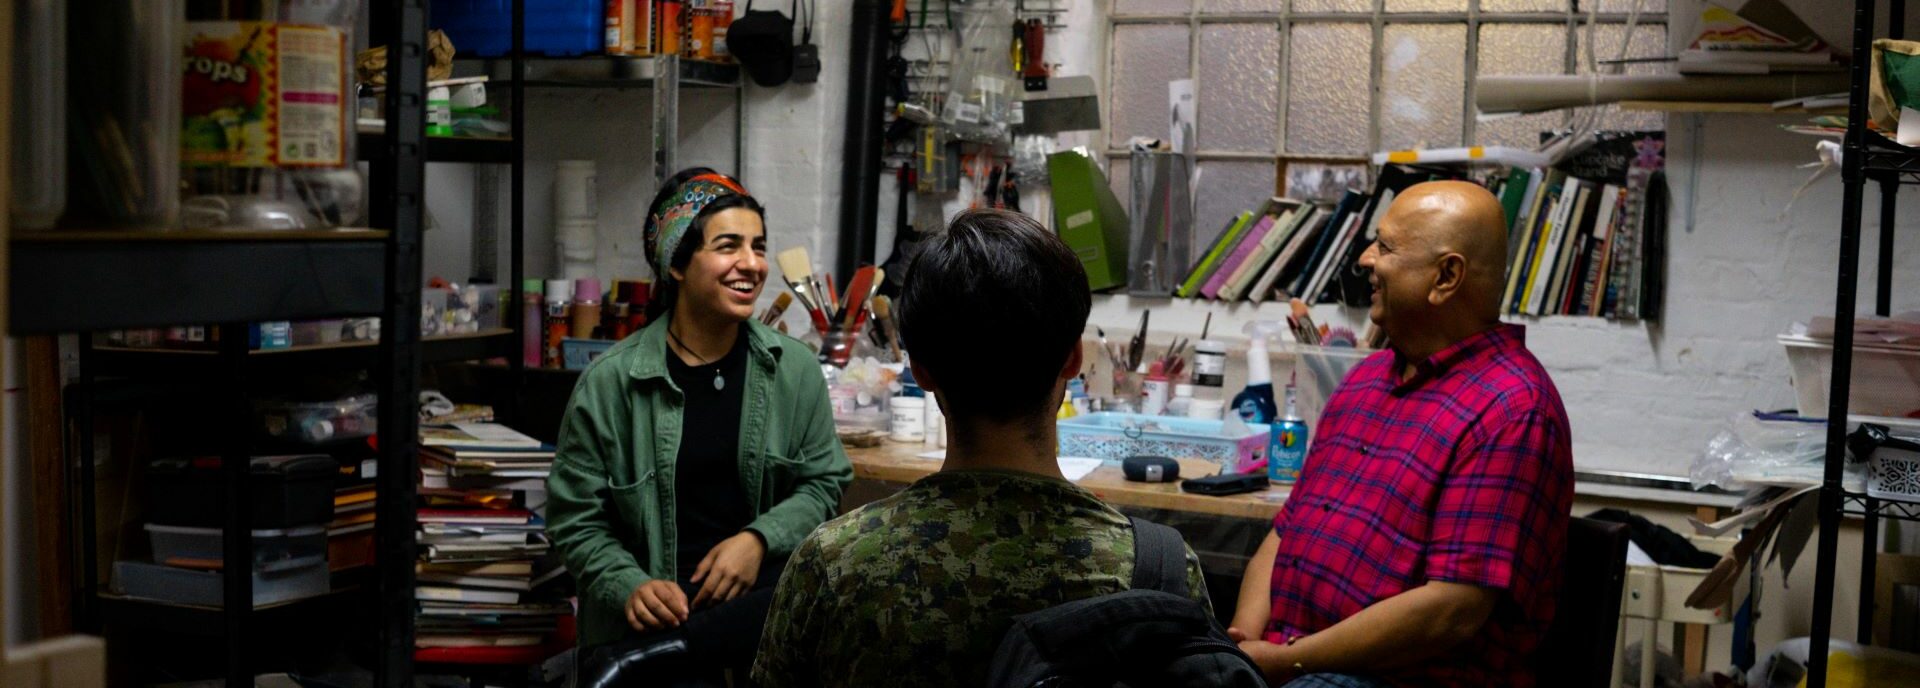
(585, 314)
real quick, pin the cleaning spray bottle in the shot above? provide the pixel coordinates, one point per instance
(1287, 446)
(1255, 403)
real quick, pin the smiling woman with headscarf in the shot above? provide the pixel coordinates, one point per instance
(694, 455)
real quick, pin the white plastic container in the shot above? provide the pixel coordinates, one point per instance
(573, 190)
(909, 419)
(1209, 409)
(1885, 381)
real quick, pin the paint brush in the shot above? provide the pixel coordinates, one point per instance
(778, 308)
(796, 267)
(857, 290)
(883, 321)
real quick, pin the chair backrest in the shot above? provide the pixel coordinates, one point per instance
(1578, 650)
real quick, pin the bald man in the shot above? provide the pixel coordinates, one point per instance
(1422, 543)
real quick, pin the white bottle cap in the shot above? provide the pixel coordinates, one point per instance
(559, 290)
(1183, 390)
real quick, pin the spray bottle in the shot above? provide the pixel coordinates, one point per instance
(1255, 403)
(1287, 446)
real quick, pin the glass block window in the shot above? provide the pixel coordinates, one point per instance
(1337, 80)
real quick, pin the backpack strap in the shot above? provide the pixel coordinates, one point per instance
(1159, 558)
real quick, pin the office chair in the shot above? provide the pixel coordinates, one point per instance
(1578, 650)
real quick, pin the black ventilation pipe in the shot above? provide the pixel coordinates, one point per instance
(860, 172)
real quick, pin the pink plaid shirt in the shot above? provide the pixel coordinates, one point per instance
(1463, 473)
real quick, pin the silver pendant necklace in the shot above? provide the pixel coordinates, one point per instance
(719, 381)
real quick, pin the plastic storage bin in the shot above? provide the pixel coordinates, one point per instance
(1115, 436)
(287, 491)
(1886, 381)
(273, 550)
(315, 422)
(484, 28)
(204, 588)
(1894, 471)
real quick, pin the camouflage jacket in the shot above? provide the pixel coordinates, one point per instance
(917, 589)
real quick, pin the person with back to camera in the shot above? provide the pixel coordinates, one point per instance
(693, 456)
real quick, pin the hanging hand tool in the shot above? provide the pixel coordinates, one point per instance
(1033, 65)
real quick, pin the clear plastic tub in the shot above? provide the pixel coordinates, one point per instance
(40, 113)
(266, 125)
(205, 588)
(315, 422)
(1114, 436)
(273, 550)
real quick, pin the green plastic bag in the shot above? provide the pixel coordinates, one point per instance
(1895, 83)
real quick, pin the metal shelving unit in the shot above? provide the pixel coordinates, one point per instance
(83, 282)
(1868, 158)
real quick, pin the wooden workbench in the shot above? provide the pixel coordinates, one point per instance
(900, 463)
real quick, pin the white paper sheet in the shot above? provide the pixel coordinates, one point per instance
(1076, 468)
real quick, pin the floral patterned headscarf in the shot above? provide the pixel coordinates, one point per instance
(671, 220)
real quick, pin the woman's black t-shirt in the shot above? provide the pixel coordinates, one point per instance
(711, 506)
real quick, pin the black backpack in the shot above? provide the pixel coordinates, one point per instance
(1151, 635)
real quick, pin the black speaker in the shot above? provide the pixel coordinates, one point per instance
(1150, 469)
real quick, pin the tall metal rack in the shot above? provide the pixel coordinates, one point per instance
(1868, 158)
(83, 282)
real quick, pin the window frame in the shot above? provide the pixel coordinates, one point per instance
(1573, 18)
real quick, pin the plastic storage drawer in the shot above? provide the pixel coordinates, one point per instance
(204, 588)
(484, 28)
(273, 550)
(319, 421)
(287, 491)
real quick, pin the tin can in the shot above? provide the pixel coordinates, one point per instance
(672, 17)
(700, 35)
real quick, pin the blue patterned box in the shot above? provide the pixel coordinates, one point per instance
(1115, 436)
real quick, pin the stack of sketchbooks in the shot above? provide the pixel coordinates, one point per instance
(490, 590)
(1576, 245)
(350, 538)
(1761, 37)
(1283, 249)
(1584, 247)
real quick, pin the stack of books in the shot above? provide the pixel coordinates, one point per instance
(490, 590)
(1585, 237)
(1283, 249)
(350, 539)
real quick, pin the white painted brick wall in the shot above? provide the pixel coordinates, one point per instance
(1642, 398)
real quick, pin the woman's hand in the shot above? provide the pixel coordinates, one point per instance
(729, 569)
(656, 605)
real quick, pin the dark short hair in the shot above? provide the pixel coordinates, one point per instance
(991, 308)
